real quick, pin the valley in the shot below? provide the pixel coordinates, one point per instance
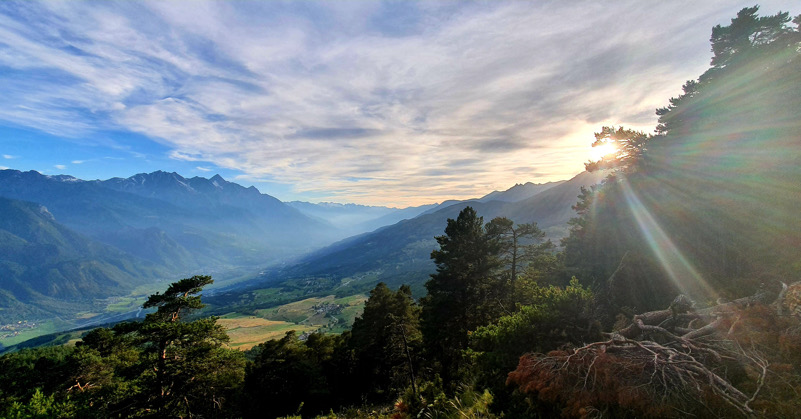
(106, 245)
(302, 210)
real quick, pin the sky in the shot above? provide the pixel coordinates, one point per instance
(383, 103)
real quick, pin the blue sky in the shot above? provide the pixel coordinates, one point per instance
(392, 103)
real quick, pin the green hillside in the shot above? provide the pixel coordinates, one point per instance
(49, 270)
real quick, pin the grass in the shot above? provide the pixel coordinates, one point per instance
(339, 315)
(245, 330)
(303, 312)
(23, 334)
(124, 304)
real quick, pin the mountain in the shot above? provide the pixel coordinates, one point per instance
(184, 224)
(352, 219)
(519, 192)
(516, 193)
(394, 217)
(47, 269)
(400, 253)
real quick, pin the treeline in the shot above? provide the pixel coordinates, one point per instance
(671, 297)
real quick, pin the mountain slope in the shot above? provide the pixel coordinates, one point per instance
(519, 192)
(400, 253)
(55, 270)
(352, 219)
(185, 224)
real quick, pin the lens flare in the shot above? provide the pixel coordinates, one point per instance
(673, 262)
(602, 150)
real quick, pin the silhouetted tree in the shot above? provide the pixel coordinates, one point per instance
(386, 341)
(463, 294)
(517, 245)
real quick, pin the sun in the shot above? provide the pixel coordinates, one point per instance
(602, 150)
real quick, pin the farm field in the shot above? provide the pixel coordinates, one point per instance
(248, 331)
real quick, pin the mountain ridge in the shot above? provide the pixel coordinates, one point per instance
(400, 253)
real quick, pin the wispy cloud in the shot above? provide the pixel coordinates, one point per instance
(60, 166)
(78, 161)
(9, 156)
(356, 101)
(203, 169)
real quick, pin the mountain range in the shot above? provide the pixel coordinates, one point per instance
(400, 253)
(66, 243)
(353, 219)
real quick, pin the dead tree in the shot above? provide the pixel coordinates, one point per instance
(673, 362)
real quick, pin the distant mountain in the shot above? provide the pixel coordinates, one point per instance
(400, 253)
(394, 217)
(352, 219)
(516, 193)
(519, 192)
(46, 269)
(184, 224)
(342, 216)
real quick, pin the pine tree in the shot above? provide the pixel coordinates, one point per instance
(463, 294)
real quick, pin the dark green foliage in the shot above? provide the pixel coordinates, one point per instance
(164, 366)
(464, 294)
(22, 373)
(516, 245)
(555, 318)
(40, 406)
(291, 375)
(386, 342)
(186, 370)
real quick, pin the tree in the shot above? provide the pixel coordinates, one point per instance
(193, 371)
(556, 317)
(734, 359)
(386, 340)
(628, 149)
(463, 294)
(512, 250)
(164, 366)
(292, 376)
(755, 57)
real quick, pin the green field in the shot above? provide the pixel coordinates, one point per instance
(34, 329)
(327, 314)
(318, 311)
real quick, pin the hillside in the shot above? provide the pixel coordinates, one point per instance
(400, 253)
(49, 270)
(352, 219)
(519, 192)
(183, 224)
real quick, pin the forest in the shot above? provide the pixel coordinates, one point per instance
(676, 293)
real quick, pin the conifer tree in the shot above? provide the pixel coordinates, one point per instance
(463, 294)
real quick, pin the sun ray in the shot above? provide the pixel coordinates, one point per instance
(600, 151)
(672, 261)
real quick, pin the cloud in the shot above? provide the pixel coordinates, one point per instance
(9, 156)
(78, 161)
(316, 95)
(3, 168)
(60, 166)
(203, 169)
